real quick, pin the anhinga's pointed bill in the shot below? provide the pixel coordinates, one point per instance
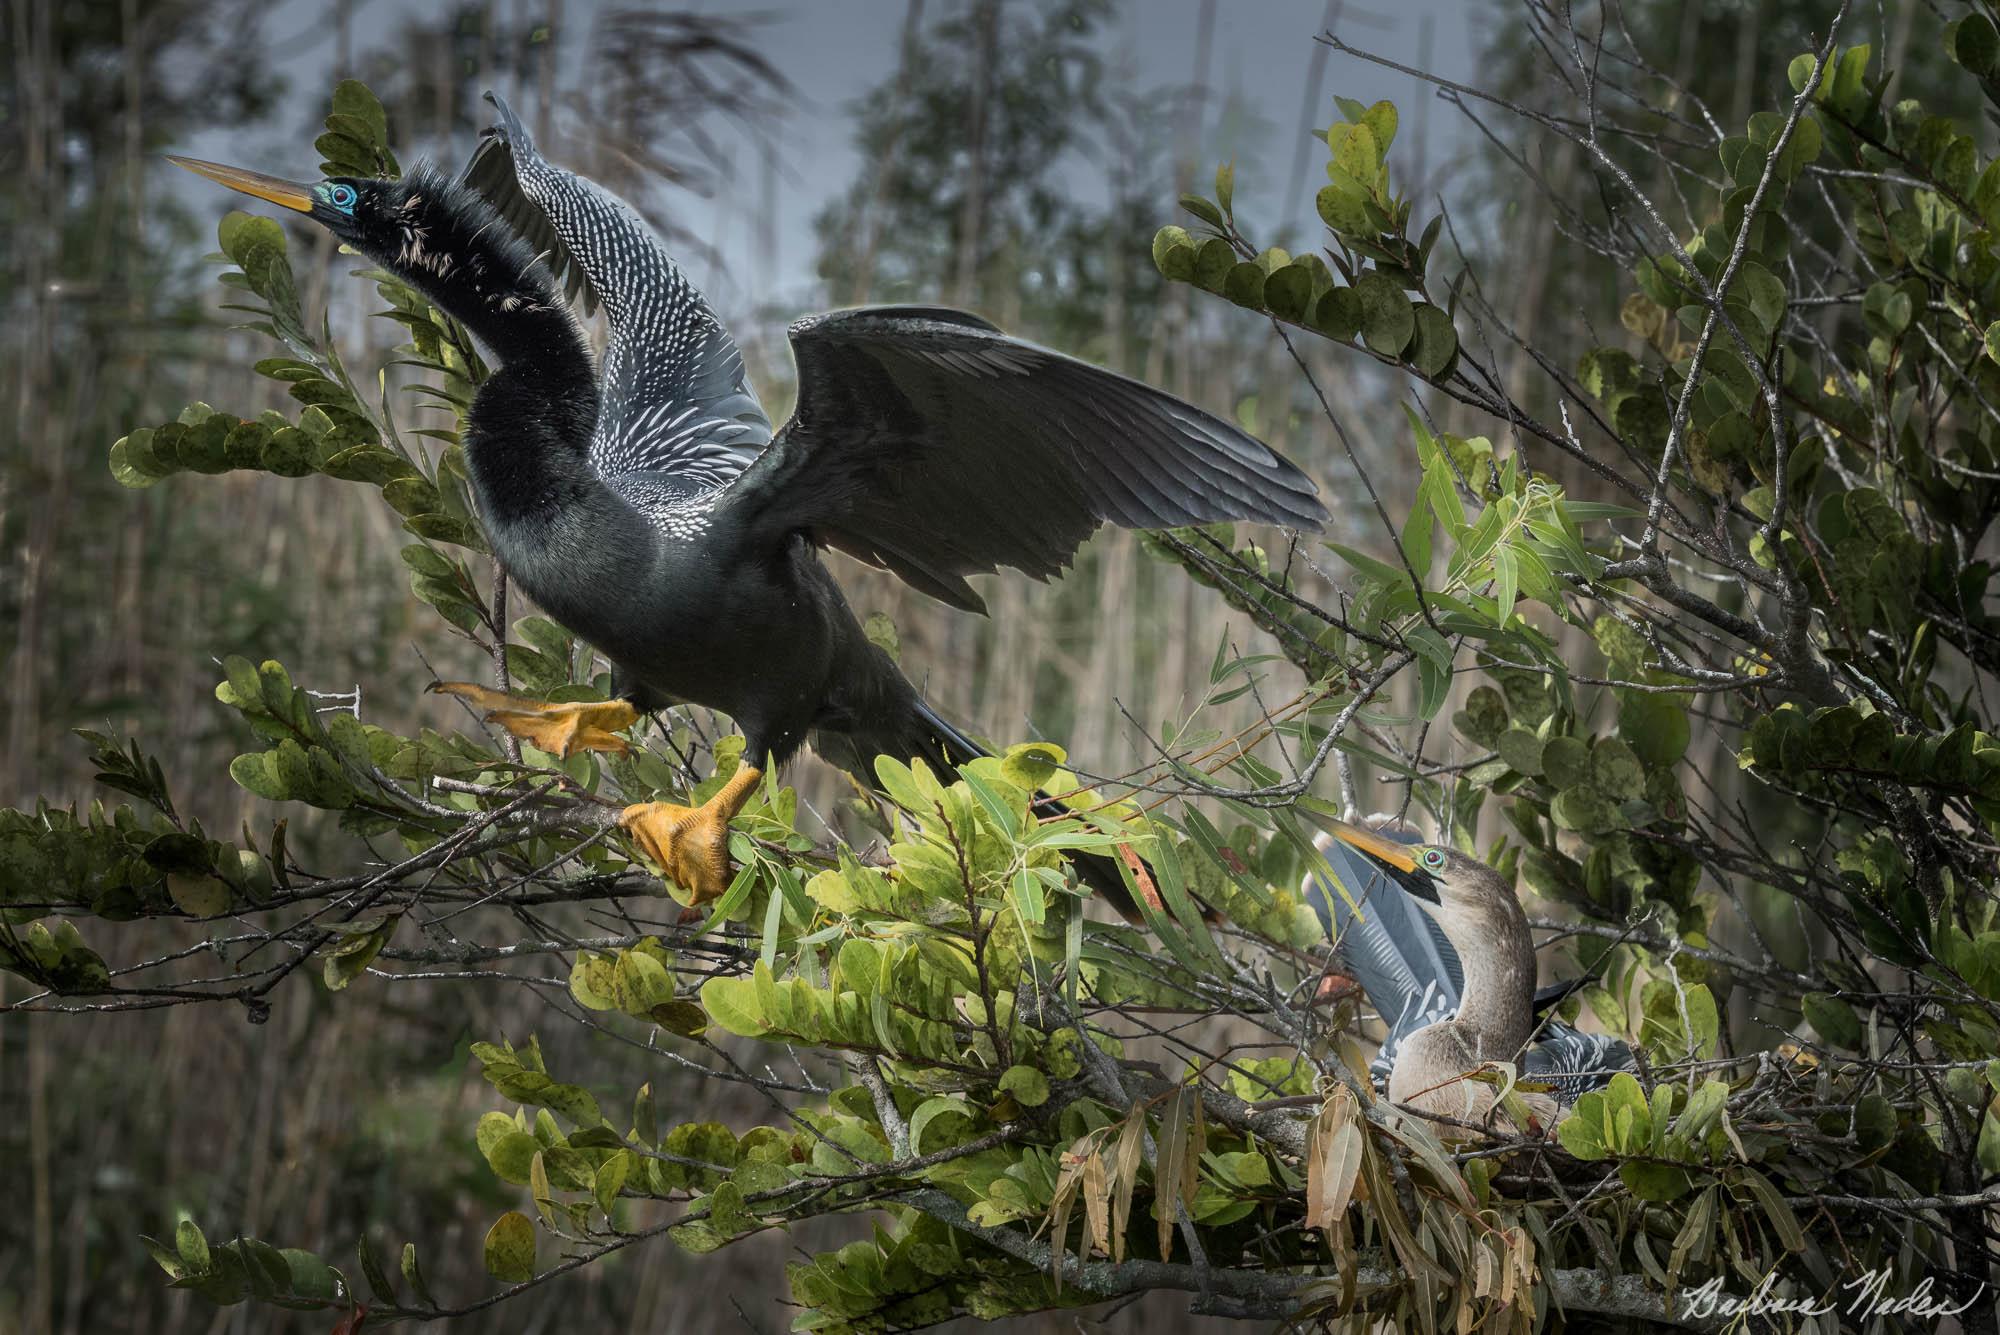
(291, 194)
(1397, 859)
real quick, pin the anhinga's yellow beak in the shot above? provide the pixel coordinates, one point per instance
(291, 194)
(1385, 851)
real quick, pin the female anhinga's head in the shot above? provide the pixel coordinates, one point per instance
(437, 234)
(1462, 893)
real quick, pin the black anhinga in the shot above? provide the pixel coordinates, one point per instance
(652, 510)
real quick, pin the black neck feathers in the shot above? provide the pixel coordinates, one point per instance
(447, 242)
(529, 430)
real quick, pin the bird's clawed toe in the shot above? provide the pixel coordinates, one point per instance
(559, 729)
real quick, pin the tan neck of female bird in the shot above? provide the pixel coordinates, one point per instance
(1497, 955)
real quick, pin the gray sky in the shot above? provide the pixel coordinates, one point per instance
(835, 50)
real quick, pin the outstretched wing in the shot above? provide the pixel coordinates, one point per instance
(677, 417)
(491, 171)
(928, 442)
(1395, 950)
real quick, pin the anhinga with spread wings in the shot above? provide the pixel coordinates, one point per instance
(649, 506)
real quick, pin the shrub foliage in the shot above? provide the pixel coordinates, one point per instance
(1694, 643)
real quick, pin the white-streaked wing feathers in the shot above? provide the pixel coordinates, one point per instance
(677, 419)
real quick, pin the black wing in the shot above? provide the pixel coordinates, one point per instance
(928, 442)
(491, 171)
(1574, 1062)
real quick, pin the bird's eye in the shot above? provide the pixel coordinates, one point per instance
(341, 197)
(1434, 859)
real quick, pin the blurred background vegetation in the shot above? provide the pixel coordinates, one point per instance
(1014, 157)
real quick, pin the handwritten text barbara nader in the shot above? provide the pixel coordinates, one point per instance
(1859, 1299)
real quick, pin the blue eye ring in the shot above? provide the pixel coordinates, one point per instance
(1434, 859)
(341, 197)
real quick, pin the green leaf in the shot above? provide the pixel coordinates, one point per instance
(1834, 1019)
(733, 1004)
(1174, 254)
(1030, 765)
(1988, 1151)
(1435, 348)
(201, 896)
(1615, 771)
(1204, 210)
(379, 1282)
(192, 1246)
(1974, 43)
(353, 98)
(1029, 1086)
(932, 1109)
(1580, 1131)
(609, 1180)
(310, 1276)
(1356, 154)
(1288, 293)
(640, 982)
(1566, 761)
(1521, 750)
(1213, 262)
(1653, 1181)
(1388, 321)
(1343, 206)
(510, 1248)
(1337, 314)
(1584, 810)
(1783, 1222)
(1381, 121)
(1244, 285)
(414, 1273)
(593, 981)
(1506, 584)
(1654, 725)
(511, 1155)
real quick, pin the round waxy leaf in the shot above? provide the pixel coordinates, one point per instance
(1174, 253)
(510, 1248)
(1288, 292)
(1388, 321)
(1435, 347)
(1244, 285)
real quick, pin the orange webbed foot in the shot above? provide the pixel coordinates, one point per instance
(692, 843)
(559, 729)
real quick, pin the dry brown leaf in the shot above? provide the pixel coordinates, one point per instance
(1097, 1202)
(1125, 1176)
(1170, 1153)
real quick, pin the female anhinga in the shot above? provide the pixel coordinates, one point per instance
(653, 511)
(1441, 947)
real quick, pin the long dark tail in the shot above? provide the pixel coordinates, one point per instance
(1099, 871)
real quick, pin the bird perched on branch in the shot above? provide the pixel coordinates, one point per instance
(1438, 942)
(648, 505)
